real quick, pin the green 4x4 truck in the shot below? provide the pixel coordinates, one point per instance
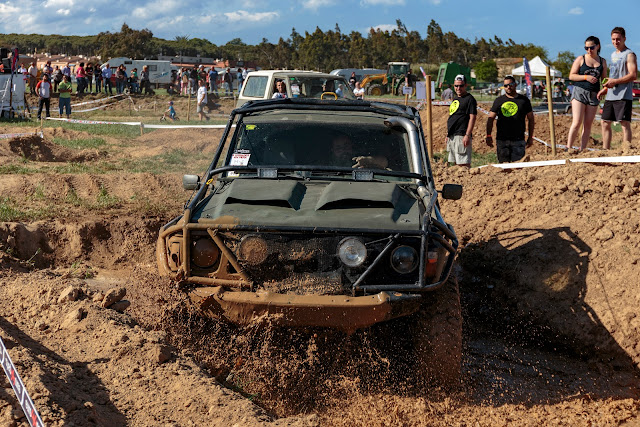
(322, 213)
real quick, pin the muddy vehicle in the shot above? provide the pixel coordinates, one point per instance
(321, 213)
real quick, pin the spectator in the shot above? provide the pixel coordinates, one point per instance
(88, 70)
(213, 81)
(56, 77)
(185, 82)
(145, 82)
(97, 72)
(244, 75)
(240, 79)
(511, 109)
(133, 81)
(43, 88)
(228, 82)
(202, 74)
(121, 77)
(462, 118)
(587, 71)
(447, 94)
(202, 100)
(281, 90)
(193, 80)
(618, 102)
(358, 91)
(353, 79)
(66, 70)
(47, 69)
(65, 96)
(81, 78)
(106, 79)
(33, 76)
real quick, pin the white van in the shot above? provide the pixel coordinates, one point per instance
(300, 84)
(159, 71)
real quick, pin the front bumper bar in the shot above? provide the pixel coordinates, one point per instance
(341, 312)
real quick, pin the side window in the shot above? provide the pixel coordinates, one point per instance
(153, 67)
(255, 86)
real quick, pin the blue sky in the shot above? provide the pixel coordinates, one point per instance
(556, 25)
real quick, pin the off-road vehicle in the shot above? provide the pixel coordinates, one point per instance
(325, 214)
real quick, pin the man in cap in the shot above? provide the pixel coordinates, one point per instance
(462, 118)
(511, 109)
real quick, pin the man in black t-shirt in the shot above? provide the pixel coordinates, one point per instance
(462, 118)
(511, 110)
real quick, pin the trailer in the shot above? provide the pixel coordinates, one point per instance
(160, 72)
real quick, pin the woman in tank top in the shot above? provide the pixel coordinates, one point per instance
(586, 73)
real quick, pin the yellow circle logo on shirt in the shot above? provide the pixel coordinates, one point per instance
(509, 109)
(454, 107)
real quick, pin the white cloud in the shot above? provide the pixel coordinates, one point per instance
(63, 12)
(315, 4)
(155, 8)
(244, 16)
(59, 4)
(383, 27)
(576, 11)
(435, 2)
(381, 2)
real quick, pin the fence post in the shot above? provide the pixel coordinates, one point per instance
(429, 119)
(550, 103)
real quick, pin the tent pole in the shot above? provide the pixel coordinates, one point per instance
(550, 104)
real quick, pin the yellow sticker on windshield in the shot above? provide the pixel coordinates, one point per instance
(250, 127)
(454, 107)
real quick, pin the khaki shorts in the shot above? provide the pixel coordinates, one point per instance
(458, 153)
(200, 108)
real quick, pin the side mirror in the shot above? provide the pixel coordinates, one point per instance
(190, 182)
(451, 191)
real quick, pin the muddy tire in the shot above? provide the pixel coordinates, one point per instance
(376, 90)
(437, 337)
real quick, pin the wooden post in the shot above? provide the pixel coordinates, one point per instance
(154, 107)
(429, 120)
(141, 128)
(189, 106)
(550, 103)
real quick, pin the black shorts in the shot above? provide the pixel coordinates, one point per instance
(617, 111)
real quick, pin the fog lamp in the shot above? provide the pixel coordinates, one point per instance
(352, 252)
(204, 253)
(404, 259)
(253, 250)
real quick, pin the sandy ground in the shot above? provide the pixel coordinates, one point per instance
(548, 268)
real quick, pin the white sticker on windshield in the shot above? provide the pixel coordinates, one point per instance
(240, 159)
(295, 90)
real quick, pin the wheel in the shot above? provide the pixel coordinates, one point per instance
(376, 90)
(437, 336)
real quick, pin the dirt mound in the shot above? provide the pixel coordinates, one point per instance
(192, 140)
(559, 246)
(36, 149)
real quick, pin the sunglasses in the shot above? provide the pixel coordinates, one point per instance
(589, 47)
(510, 84)
(459, 85)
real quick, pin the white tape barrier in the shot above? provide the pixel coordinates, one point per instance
(185, 126)
(618, 159)
(100, 122)
(17, 135)
(96, 100)
(24, 399)
(520, 165)
(99, 106)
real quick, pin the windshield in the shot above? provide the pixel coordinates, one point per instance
(333, 139)
(314, 87)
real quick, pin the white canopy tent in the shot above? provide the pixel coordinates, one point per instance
(538, 69)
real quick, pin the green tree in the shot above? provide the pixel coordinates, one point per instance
(563, 62)
(128, 42)
(486, 71)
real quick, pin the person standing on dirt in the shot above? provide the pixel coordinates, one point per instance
(65, 96)
(106, 78)
(97, 72)
(88, 70)
(618, 102)
(43, 89)
(81, 77)
(586, 72)
(447, 94)
(33, 76)
(228, 83)
(462, 118)
(193, 80)
(145, 81)
(56, 78)
(202, 100)
(213, 81)
(120, 79)
(512, 109)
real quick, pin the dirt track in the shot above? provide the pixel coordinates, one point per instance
(548, 268)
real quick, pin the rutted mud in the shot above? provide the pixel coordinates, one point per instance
(548, 272)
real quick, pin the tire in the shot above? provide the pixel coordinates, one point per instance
(376, 90)
(437, 337)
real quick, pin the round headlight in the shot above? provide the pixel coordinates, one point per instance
(204, 253)
(352, 252)
(253, 250)
(404, 259)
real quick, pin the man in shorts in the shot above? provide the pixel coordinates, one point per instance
(511, 109)
(202, 100)
(618, 89)
(462, 117)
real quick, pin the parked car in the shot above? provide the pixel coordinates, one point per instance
(636, 89)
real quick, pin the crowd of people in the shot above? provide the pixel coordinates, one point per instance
(591, 82)
(187, 80)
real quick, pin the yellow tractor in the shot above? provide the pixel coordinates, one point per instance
(392, 82)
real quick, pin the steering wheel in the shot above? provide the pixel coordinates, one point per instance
(335, 96)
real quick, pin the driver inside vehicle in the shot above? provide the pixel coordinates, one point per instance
(343, 155)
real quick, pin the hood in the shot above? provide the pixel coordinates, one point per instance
(335, 204)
